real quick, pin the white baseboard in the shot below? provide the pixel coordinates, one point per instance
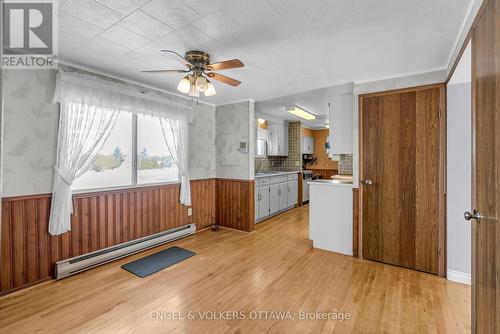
(459, 277)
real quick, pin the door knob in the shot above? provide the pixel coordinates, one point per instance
(368, 182)
(476, 215)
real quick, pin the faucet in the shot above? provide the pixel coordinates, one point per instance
(259, 165)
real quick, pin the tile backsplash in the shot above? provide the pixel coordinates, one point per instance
(270, 163)
(292, 162)
(345, 164)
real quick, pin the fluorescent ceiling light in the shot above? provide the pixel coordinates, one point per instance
(300, 112)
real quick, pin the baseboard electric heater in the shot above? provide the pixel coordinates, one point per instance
(87, 261)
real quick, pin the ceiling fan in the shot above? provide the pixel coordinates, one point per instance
(199, 70)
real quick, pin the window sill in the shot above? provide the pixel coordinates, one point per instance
(112, 190)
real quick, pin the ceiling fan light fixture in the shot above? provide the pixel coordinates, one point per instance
(184, 85)
(199, 69)
(201, 83)
(300, 113)
(193, 91)
(210, 91)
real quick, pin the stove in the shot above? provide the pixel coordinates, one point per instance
(307, 176)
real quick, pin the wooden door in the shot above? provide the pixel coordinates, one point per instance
(486, 169)
(402, 180)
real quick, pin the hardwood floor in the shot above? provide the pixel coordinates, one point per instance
(272, 269)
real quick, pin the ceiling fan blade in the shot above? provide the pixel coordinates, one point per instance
(179, 57)
(165, 71)
(224, 79)
(225, 65)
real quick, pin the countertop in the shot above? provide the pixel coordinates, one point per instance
(335, 183)
(270, 174)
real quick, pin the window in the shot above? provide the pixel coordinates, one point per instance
(114, 165)
(154, 163)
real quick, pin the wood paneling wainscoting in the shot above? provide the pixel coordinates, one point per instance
(324, 173)
(103, 219)
(235, 204)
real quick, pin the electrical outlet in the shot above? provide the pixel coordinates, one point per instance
(190, 211)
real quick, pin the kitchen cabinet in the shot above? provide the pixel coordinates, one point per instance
(341, 125)
(261, 202)
(307, 145)
(274, 201)
(277, 144)
(275, 194)
(293, 192)
(283, 196)
(261, 142)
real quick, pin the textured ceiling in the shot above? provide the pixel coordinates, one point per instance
(288, 46)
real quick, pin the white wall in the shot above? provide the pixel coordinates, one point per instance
(380, 86)
(459, 172)
(30, 131)
(235, 123)
(459, 169)
(202, 143)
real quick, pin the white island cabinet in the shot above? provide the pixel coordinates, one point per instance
(330, 216)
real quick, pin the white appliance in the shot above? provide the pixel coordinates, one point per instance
(307, 176)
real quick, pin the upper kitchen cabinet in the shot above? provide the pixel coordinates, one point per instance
(277, 144)
(341, 124)
(307, 145)
(262, 138)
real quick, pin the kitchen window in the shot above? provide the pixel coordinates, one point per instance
(135, 153)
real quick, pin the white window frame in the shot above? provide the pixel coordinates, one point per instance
(134, 170)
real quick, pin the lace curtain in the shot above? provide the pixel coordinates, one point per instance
(176, 135)
(89, 107)
(83, 130)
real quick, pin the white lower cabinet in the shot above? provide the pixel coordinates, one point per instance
(275, 194)
(293, 192)
(261, 202)
(283, 196)
(274, 201)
